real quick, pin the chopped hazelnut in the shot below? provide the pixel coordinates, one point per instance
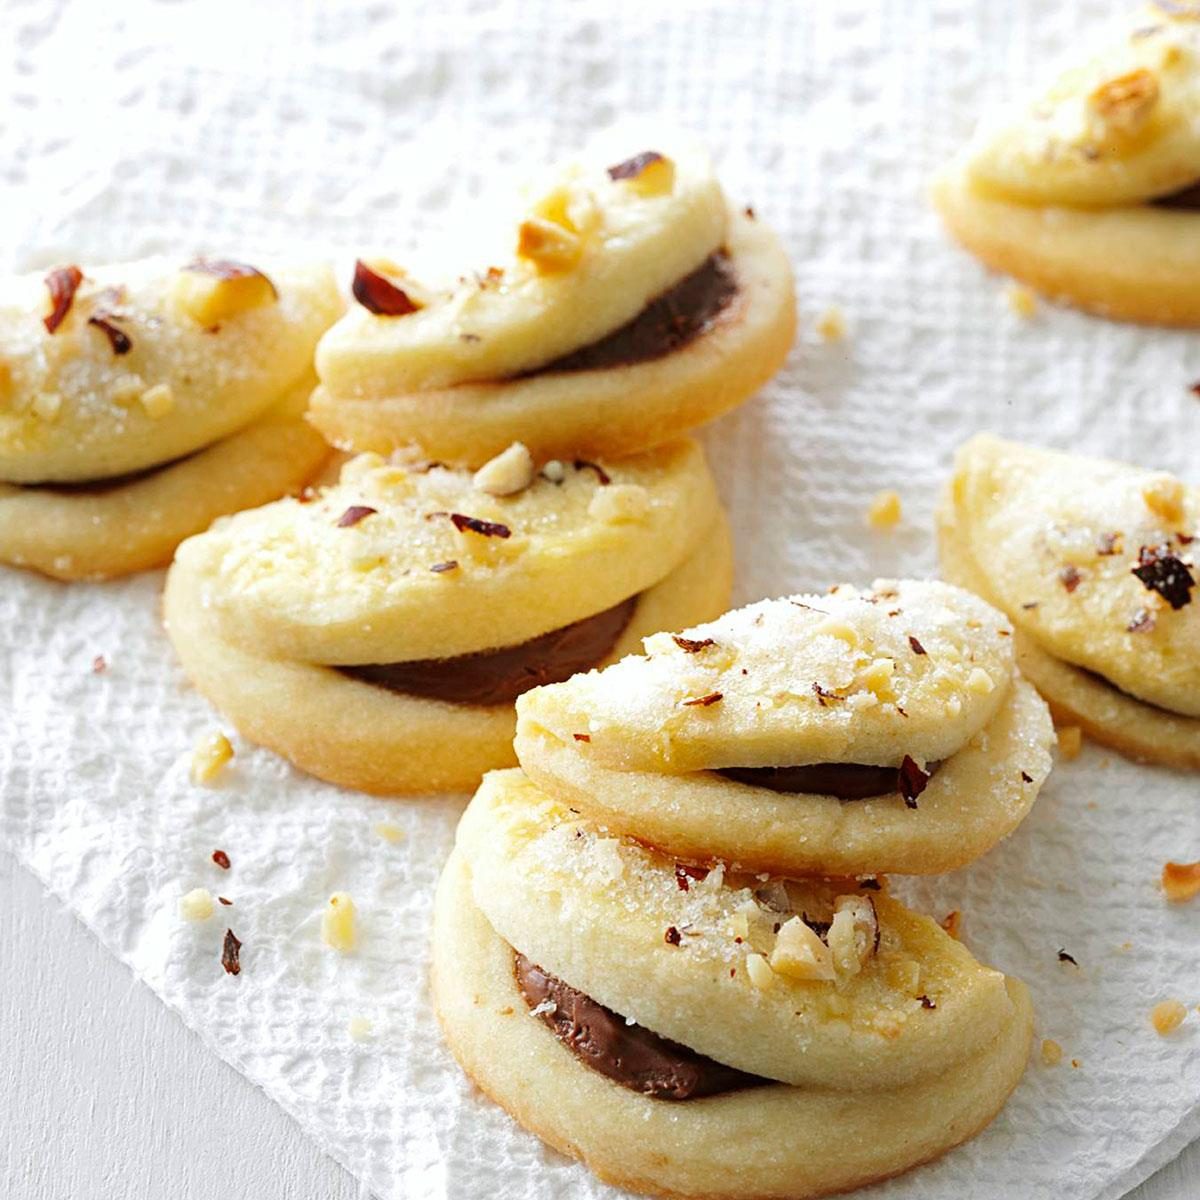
(211, 292)
(1052, 1053)
(980, 682)
(800, 954)
(211, 754)
(158, 400)
(337, 923)
(1181, 881)
(852, 933)
(196, 905)
(554, 471)
(1167, 1016)
(1021, 301)
(836, 628)
(620, 503)
(831, 324)
(648, 174)
(1164, 497)
(549, 246)
(952, 924)
(884, 511)
(759, 970)
(511, 471)
(1123, 105)
(1070, 742)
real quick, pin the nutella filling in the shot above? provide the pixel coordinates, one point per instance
(627, 1054)
(1187, 198)
(668, 323)
(845, 781)
(500, 676)
(109, 483)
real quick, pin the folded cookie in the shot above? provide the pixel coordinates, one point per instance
(1088, 190)
(140, 401)
(707, 1033)
(847, 733)
(376, 632)
(631, 304)
(1094, 563)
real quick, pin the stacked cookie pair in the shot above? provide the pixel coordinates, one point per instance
(524, 502)
(665, 945)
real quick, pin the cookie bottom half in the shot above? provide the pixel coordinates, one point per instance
(368, 738)
(608, 412)
(100, 532)
(1133, 263)
(767, 1142)
(1141, 731)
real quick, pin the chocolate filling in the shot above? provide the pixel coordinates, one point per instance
(668, 323)
(627, 1054)
(1108, 683)
(96, 487)
(500, 676)
(846, 781)
(1187, 198)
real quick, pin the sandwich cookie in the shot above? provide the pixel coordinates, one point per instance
(140, 401)
(1089, 191)
(376, 632)
(884, 729)
(701, 1033)
(1094, 562)
(632, 304)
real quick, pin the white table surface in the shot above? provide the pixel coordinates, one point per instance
(107, 1096)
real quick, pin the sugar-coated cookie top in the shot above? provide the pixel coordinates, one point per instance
(109, 370)
(397, 563)
(757, 965)
(1057, 539)
(901, 669)
(1116, 128)
(590, 247)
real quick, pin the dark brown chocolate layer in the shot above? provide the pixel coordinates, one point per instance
(94, 487)
(667, 323)
(1187, 198)
(846, 781)
(500, 676)
(627, 1054)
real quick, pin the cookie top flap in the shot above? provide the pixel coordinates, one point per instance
(112, 370)
(1120, 127)
(396, 563)
(589, 248)
(1093, 559)
(872, 676)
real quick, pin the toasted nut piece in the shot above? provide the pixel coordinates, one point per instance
(1052, 1053)
(952, 924)
(837, 628)
(852, 933)
(549, 246)
(1164, 498)
(1181, 881)
(1070, 742)
(620, 503)
(1123, 105)
(884, 511)
(1167, 1016)
(337, 923)
(554, 471)
(648, 174)
(211, 754)
(196, 905)
(210, 296)
(511, 471)
(158, 400)
(800, 954)
(759, 970)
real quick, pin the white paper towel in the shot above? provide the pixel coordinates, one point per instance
(247, 128)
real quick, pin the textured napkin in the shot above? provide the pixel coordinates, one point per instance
(247, 128)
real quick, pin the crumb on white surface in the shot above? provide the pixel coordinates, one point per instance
(831, 324)
(338, 925)
(1020, 300)
(390, 833)
(885, 510)
(1070, 742)
(1167, 1016)
(209, 757)
(359, 1028)
(196, 905)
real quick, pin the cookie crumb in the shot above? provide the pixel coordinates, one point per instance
(338, 924)
(390, 833)
(99, 664)
(884, 511)
(1070, 742)
(1052, 1053)
(831, 324)
(196, 905)
(209, 757)
(1181, 881)
(1167, 1016)
(952, 924)
(359, 1029)
(1021, 301)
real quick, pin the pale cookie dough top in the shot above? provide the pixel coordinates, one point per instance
(853, 676)
(182, 358)
(1118, 128)
(1057, 538)
(397, 563)
(757, 971)
(588, 252)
